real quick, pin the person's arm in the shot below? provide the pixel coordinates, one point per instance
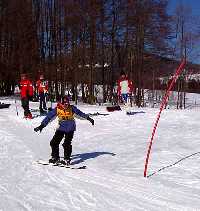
(81, 114)
(130, 85)
(50, 116)
(46, 86)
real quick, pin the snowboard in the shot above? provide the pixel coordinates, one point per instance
(46, 163)
(97, 114)
(38, 115)
(38, 110)
(134, 112)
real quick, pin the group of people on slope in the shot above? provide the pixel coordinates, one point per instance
(63, 110)
(65, 113)
(27, 91)
(124, 90)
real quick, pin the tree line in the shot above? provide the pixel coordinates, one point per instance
(88, 42)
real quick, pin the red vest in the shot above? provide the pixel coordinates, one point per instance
(42, 86)
(26, 88)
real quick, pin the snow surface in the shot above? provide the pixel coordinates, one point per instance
(114, 151)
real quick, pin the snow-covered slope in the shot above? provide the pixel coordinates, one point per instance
(114, 151)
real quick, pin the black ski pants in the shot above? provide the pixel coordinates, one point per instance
(67, 146)
(25, 105)
(42, 101)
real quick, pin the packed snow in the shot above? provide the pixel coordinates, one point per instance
(114, 151)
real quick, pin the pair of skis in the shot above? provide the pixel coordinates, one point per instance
(46, 163)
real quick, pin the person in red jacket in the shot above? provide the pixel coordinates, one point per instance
(124, 87)
(26, 92)
(42, 89)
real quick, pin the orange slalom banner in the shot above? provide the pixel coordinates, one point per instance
(163, 104)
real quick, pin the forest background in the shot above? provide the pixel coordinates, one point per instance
(80, 44)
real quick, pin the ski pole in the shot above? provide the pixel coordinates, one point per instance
(16, 107)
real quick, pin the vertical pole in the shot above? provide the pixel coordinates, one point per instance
(16, 107)
(163, 103)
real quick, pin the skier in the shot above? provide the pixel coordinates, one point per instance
(42, 88)
(125, 87)
(65, 113)
(26, 92)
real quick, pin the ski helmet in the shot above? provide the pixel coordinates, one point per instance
(65, 100)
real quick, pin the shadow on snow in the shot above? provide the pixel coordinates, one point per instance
(80, 158)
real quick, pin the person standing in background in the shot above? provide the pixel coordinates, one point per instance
(26, 93)
(42, 89)
(124, 87)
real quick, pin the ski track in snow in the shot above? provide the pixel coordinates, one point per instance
(114, 152)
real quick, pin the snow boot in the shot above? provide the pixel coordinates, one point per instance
(65, 162)
(42, 111)
(54, 160)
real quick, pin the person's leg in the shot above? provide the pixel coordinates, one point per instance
(25, 106)
(54, 143)
(67, 145)
(124, 97)
(28, 110)
(40, 97)
(44, 102)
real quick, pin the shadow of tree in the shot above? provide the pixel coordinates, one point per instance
(80, 158)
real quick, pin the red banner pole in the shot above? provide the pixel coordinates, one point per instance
(163, 103)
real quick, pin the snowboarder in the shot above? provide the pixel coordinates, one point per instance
(65, 113)
(42, 88)
(26, 92)
(125, 87)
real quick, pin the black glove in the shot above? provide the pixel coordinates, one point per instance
(39, 128)
(91, 120)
